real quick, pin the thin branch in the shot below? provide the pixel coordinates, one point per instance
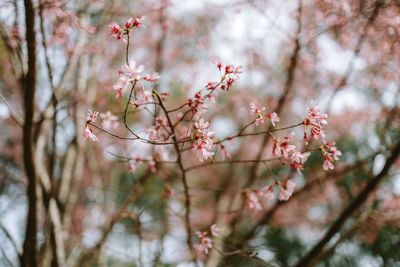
(14, 115)
(17, 247)
(269, 131)
(184, 181)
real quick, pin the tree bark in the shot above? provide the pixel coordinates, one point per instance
(29, 256)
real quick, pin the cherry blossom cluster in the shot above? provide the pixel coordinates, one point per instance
(130, 74)
(283, 148)
(314, 121)
(254, 109)
(255, 197)
(205, 241)
(229, 75)
(331, 153)
(119, 33)
(203, 144)
(160, 131)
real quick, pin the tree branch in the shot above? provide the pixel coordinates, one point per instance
(29, 256)
(355, 204)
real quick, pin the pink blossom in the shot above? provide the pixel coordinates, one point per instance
(164, 96)
(205, 242)
(109, 120)
(121, 86)
(143, 97)
(282, 146)
(229, 83)
(132, 71)
(260, 120)
(224, 153)
(91, 116)
(218, 62)
(128, 23)
(233, 69)
(139, 21)
(88, 133)
(314, 121)
(211, 85)
(315, 115)
(120, 93)
(255, 109)
(327, 162)
(214, 230)
(273, 117)
(204, 144)
(136, 160)
(204, 245)
(333, 150)
(159, 130)
(252, 201)
(330, 155)
(299, 157)
(203, 150)
(287, 190)
(115, 32)
(268, 193)
(152, 78)
(201, 125)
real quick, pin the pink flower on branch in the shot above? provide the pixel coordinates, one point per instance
(268, 193)
(333, 150)
(252, 201)
(91, 116)
(138, 22)
(131, 70)
(314, 120)
(231, 69)
(109, 120)
(254, 109)
(136, 160)
(205, 242)
(121, 86)
(143, 97)
(115, 32)
(330, 155)
(203, 145)
(121, 34)
(224, 153)
(88, 133)
(273, 117)
(260, 120)
(287, 189)
(152, 78)
(327, 162)
(214, 230)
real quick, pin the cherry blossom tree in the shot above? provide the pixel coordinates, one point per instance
(202, 133)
